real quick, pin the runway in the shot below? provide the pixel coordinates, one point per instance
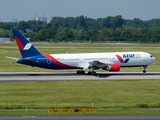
(64, 76)
(89, 117)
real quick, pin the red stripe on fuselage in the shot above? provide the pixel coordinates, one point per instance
(19, 43)
(120, 58)
(53, 60)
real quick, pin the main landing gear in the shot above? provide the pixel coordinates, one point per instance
(144, 71)
(81, 72)
(92, 72)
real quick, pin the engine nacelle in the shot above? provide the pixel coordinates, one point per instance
(112, 68)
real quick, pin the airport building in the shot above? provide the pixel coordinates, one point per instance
(1, 20)
(5, 40)
(45, 19)
(15, 20)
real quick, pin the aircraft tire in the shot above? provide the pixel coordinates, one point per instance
(91, 73)
(80, 72)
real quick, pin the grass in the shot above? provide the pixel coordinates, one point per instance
(105, 95)
(105, 44)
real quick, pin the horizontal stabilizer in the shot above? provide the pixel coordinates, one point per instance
(13, 58)
(27, 60)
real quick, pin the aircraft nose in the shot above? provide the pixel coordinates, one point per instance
(151, 59)
(154, 59)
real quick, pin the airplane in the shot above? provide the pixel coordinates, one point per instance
(109, 61)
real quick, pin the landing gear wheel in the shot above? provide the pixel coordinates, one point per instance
(144, 71)
(91, 73)
(80, 72)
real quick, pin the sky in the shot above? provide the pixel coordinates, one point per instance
(129, 9)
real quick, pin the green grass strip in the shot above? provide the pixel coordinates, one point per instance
(105, 96)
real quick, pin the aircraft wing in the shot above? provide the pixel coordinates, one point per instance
(100, 64)
(105, 65)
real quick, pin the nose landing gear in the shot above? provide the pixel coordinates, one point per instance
(144, 71)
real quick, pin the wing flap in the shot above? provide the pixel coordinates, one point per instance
(100, 64)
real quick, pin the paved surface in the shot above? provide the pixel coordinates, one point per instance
(49, 76)
(88, 117)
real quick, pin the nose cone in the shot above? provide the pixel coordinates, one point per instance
(148, 59)
(153, 59)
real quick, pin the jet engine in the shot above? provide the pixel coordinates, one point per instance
(112, 67)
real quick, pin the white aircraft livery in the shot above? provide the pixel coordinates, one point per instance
(110, 61)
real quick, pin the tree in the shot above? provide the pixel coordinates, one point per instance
(105, 34)
(23, 26)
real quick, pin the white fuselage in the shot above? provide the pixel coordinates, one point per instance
(125, 59)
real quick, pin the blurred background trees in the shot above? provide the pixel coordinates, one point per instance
(83, 29)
